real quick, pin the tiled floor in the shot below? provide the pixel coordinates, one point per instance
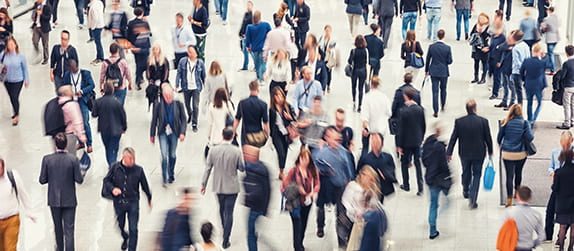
(24, 146)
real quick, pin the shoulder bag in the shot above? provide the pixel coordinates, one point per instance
(349, 67)
(256, 139)
(417, 60)
(528, 145)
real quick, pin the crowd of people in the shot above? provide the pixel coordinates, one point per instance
(328, 169)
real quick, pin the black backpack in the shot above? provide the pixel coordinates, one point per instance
(114, 73)
(54, 117)
(253, 189)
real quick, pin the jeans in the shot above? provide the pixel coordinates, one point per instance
(14, 89)
(409, 22)
(513, 173)
(354, 20)
(460, 15)
(132, 209)
(433, 209)
(222, 8)
(260, 65)
(358, 80)
(97, 34)
(508, 7)
(178, 57)
(112, 145)
(508, 87)
(413, 152)
(292, 6)
(200, 47)
(299, 227)
(54, 4)
(550, 48)
(433, 18)
(530, 99)
(550, 213)
(438, 83)
(246, 54)
(568, 104)
(217, 4)
(496, 77)
(80, 4)
(385, 24)
(168, 148)
(64, 218)
(121, 95)
(516, 80)
(251, 234)
(300, 37)
(86, 118)
(192, 114)
(226, 205)
(471, 172)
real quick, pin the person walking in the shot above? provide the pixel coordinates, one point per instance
(529, 27)
(182, 37)
(382, 163)
(495, 54)
(313, 124)
(139, 35)
(157, 72)
(16, 76)
(513, 134)
(279, 71)
(345, 131)
(354, 12)
(550, 27)
(434, 14)
(520, 52)
(410, 10)
(505, 65)
(199, 24)
(360, 195)
(176, 234)
(317, 66)
(412, 127)
(375, 46)
(6, 27)
(247, 20)
(41, 27)
(219, 116)
(528, 221)
(61, 170)
(252, 112)
(221, 8)
(329, 52)
(508, 7)
(59, 57)
(120, 83)
(532, 71)
(411, 45)
(15, 202)
(96, 25)
(474, 142)
(112, 122)
(224, 159)
(168, 123)
(281, 116)
(277, 38)
(385, 11)
(463, 8)
(568, 84)
(301, 17)
(215, 80)
(189, 80)
(122, 183)
(305, 91)
(479, 40)
(376, 113)
(437, 175)
(358, 58)
(562, 185)
(73, 118)
(439, 57)
(83, 88)
(118, 23)
(255, 40)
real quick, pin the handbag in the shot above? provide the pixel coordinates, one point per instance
(557, 96)
(489, 174)
(256, 139)
(85, 162)
(356, 236)
(417, 60)
(4, 70)
(444, 183)
(393, 125)
(349, 67)
(528, 145)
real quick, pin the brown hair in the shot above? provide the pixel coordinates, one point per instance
(256, 17)
(5, 12)
(311, 166)
(254, 85)
(215, 69)
(514, 111)
(370, 190)
(219, 97)
(524, 193)
(360, 41)
(278, 91)
(17, 49)
(283, 7)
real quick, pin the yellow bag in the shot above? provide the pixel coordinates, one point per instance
(256, 139)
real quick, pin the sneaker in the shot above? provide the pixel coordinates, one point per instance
(492, 97)
(420, 193)
(80, 26)
(432, 237)
(563, 127)
(473, 206)
(90, 40)
(194, 128)
(242, 69)
(224, 22)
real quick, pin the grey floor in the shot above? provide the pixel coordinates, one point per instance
(461, 229)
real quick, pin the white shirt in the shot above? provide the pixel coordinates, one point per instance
(9, 205)
(96, 15)
(41, 8)
(216, 118)
(279, 74)
(191, 85)
(376, 111)
(354, 200)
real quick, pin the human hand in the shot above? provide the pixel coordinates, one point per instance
(26, 84)
(116, 191)
(181, 137)
(152, 140)
(51, 76)
(448, 158)
(202, 191)
(365, 132)
(400, 150)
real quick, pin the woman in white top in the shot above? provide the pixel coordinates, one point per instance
(215, 79)
(361, 194)
(279, 71)
(217, 116)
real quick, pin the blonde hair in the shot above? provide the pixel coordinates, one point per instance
(485, 16)
(513, 112)
(215, 69)
(151, 58)
(371, 190)
(527, 13)
(536, 48)
(276, 55)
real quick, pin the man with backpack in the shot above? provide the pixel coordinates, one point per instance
(61, 54)
(62, 115)
(83, 89)
(115, 70)
(257, 189)
(527, 222)
(14, 198)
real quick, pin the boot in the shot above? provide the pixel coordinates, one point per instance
(509, 202)
(475, 80)
(482, 79)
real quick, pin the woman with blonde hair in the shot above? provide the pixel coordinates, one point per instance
(409, 46)
(157, 70)
(215, 79)
(479, 40)
(361, 193)
(279, 71)
(514, 133)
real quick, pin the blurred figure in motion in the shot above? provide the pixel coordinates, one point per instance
(176, 232)
(206, 233)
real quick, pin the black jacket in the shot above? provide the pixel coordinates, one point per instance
(61, 171)
(439, 57)
(473, 133)
(44, 17)
(399, 100)
(273, 120)
(111, 116)
(375, 46)
(564, 189)
(407, 50)
(247, 20)
(128, 179)
(434, 160)
(384, 165)
(121, 24)
(303, 13)
(158, 124)
(568, 71)
(410, 6)
(386, 8)
(484, 42)
(59, 62)
(139, 34)
(412, 126)
(158, 72)
(260, 174)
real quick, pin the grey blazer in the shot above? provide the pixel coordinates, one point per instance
(61, 171)
(225, 159)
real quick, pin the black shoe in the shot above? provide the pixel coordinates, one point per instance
(226, 245)
(506, 108)
(563, 127)
(458, 39)
(501, 105)
(435, 115)
(406, 188)
(138, 87)
(475, 80)
(420, 193)
(320, 233)
(189, 119)
(507, 18)
(359, 109)
(432, 237)
(465, 195)
(482, 81)
(492, 97)
(125, 244)
(45, 61)
(465, 36)
(194, 128)
(473, 205)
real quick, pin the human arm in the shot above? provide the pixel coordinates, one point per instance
(449, 56)
(165, 71)
(207, 171)
(24, 67)
(501, 133)
(53, 61)
(540, 232)
(153, 125)
(452, 141)
(429, 59)
(78, 177)
(103, 69)
(90, 83)
(145, 186)
(44, 172)
(182, 120)
(419, 48)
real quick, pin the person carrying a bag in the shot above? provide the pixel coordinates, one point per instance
(219, 116)
(281, 115)
(252, 111)
(411, 45)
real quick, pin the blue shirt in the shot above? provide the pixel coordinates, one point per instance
(255, 36)
(555, 164)
(520, 52)
(335, 164)
(17, 69)
(305, 93)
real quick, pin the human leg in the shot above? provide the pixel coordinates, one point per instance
(54, 4)
(413, 20)
(200, 47)
(466, 17)
(14, 90)
(133, 218)
(45, 43)
(459, 14)
(517, 80)
(435, 89)
(405, 26)
(9, 230)
(496, 75)
(518, 173)
(417, 163)
(362, 77)
(86, 118)
(164, 149)
(251, 234)
(550, 213)
(121, 212)
(475, 185)
(509, 166)
(97, 33)
(172, 150)
(466, 176)
(405, 161)
(538, 96)
(68, 217)
(443, 82)
(187, 103)
(433, 209)
(36, 38)
(476, 66)
(58, 227)
(80, 10)
(224, 5)
(351, 23)
(529, 99)
(386, 23)
(354, 82)
(550, 48)
(505, 88)
(121, 95)
(195, 105)
(304, 219)
(562, 236)
(228, 206)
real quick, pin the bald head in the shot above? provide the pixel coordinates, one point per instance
(65, 91)
(471, 106)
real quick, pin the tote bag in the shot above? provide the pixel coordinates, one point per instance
(489, 174)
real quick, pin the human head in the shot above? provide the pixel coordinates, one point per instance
(65, 91)
(187, 197)
(61, 141)
(569, 50)
(307, 73)
(167, 92)
(523, 194)
(179, 19)
(156, 50)
(197, 3)
(300, 2)
(12, 45)
(517, 35)
(340, 118)
(514, 111)
(278, 97)
(536, 50)
(73, 65)
(277, 22)
(332, 137)
(220, 97)
(108, 88)
(328, 29)
(254, 87)
(408, 78)
(249, 6)
(305, 159)
(207, 232)
(440, 34)
(409, 93)
(250, 153)
(375, 28)
(129, 157)
(550, 10)
(360, 42)
(215, 69)
(438, 128)
(317, 103)
(310, 42)
(527, 13)
(483, 19)
(256, 17)
(566, 140)
(65, 38)
(368, 179)
(411, 36)
(227, 133)
(375, 82)
(498, 14)
(280, 55)
(470, 106)
(4, 15)
(191, 53)
(377, 141)
(114, 49)
(116, 4)
(138, 12)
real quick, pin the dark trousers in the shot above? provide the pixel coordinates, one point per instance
(80, 4)
(513, 174)
(471, 172)
(413, 152)
(300, 37)
(112, 145)
(365, 150)
(385, 24)
(508, 7)
(274, 84)
(329, 76)
(45, 36)
(178, 56)
(226, 205)
(438, 83)
(132, 210)
(496, 77)
(63, 218)
(54, 4)
(281, 146)
(97, 35)
(358, 80)
(141, 65)
(550, 213)
(477, 62)
(337, 193)
(299, 226)
(13, 89)
(192, 113)
(516, 79)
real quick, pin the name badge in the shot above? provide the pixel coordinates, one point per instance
(168, 130)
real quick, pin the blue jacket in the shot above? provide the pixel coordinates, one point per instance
(510, 135)
(181, 77)
(505, 58)
(495, 53)
(439, 56)
(355, 6)
(255, 36)
(87, 85)
(533, 72)
(528, 26)
(375, 228)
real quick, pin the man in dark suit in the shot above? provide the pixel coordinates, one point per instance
(382, 163)
(83, 88)
(41, 27)
(60, 170)
(399, 102)
(112, 122)
(412, 128)
(439, 56)
(301, 17)
(383, 10)
(473, 134)
(376, 52)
